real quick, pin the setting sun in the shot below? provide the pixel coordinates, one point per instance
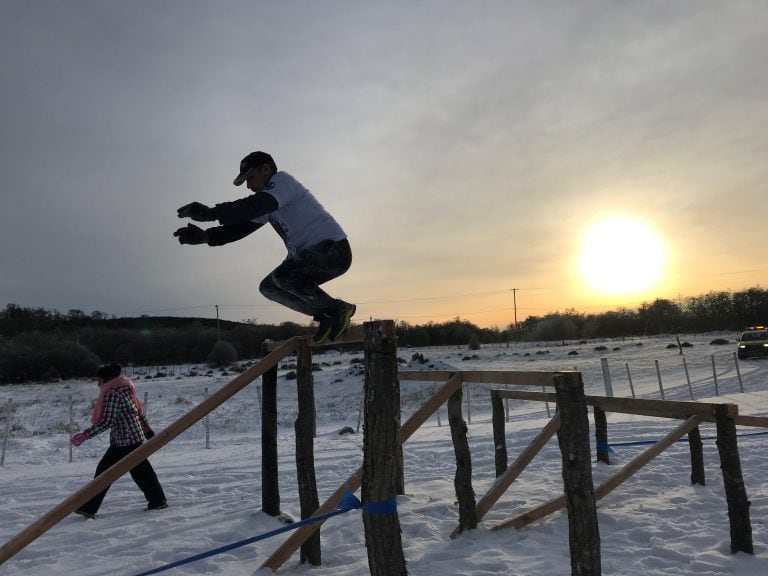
(621, 256)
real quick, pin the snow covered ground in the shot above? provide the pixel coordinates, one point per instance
(656, 523)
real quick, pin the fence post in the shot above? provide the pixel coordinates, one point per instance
(71, 425)
(207, 428)
(8, 414)
(463, 478)
(601, 435)
(738, 372)
(573, 438)
(697, 457)
(629, 377)
(714, 375)
(270, 487)
(305, 428)
(383, 539)
(360, 407)
(733, 480)
(469, 404)
(607, 377)
(658, 375)
(499, 436)
(688, 378)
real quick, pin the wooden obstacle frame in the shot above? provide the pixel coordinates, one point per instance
(570, 423)
(692, 414)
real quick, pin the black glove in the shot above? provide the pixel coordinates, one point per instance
(197, 211)
(191, 235)
(148, 432)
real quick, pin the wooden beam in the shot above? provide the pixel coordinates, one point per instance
(612, 483)
(43, 524)
(620, 477)
(301, 535)
(426, 375)
(521, 378)
(504, 481)
(640, 406)
(353, 334)
(428, 408)
(756, 421)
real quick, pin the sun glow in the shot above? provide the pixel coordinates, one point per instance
(621, 256)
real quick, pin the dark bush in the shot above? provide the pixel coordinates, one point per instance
(39, 356)
(222, 355)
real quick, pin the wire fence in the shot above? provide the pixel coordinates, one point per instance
(54, 416)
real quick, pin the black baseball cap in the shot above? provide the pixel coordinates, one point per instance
(250, 163)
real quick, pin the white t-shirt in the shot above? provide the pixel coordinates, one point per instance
(300, 220)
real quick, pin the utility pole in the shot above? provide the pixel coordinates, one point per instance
(514, 301)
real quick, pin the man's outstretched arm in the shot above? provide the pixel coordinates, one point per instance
(216, 236)
(245, 209)
(235, 212)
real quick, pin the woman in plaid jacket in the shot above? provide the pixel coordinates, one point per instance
(119, 410)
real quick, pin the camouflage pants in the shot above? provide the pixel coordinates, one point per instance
(296, 282)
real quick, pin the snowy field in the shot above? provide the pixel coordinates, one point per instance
(656, 523)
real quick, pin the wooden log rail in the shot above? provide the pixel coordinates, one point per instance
(353, 335)
(726, 417)
(646, 407)
(47, 521)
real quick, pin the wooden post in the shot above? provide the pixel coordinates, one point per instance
(714, 375)
(7, 434)
(305, 451)
(607, 377)
(499, 435)
(601, 436)
(697, 457)
(400, 478)
(207, 426)
(688, 379)
(463, 478)
(382, 529)
(71, 426)
(733, 481)
(270, 488)
(629, 377)
(573, 438)
(658, 376)
(738, 372)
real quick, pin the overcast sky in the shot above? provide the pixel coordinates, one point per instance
(463, 146)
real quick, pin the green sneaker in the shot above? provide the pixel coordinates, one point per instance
(340, 320)
(323, 329)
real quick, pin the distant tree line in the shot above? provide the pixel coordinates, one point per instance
(38, 344)
(715, 311)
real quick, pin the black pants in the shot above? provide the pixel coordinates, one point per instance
(296, 282)
(143, 474)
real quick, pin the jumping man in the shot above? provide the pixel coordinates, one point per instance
(318, 249)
